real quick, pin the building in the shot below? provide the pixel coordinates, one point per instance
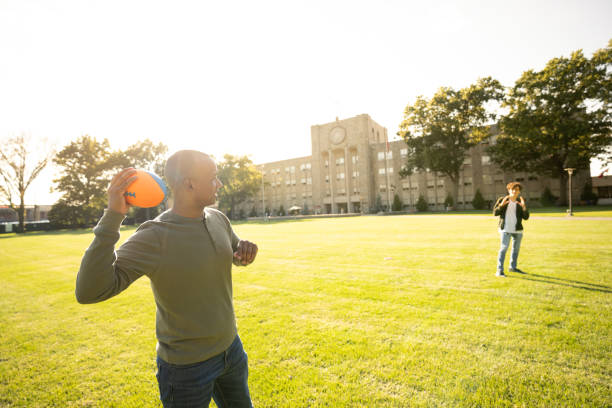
(602, 186)
(352, 167)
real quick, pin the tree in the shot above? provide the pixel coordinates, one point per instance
(478, 202)
(86, 167)
(558, 117)
(19, 166)
(378, 206)
(240, 179)
(397, 203)
(439, 132)
(421, 204)
(281, 211)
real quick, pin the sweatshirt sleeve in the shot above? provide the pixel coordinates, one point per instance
(497, 209)
(105, 273)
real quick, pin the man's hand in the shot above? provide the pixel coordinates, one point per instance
(505, 201)
(245, 254)
(116, 190)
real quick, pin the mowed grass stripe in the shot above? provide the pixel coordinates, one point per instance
(329, 320)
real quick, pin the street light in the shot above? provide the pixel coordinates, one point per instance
(570, 171)
(263, 197)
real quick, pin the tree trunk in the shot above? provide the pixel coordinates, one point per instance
(563, 197)
(21, 214)
(455, 192)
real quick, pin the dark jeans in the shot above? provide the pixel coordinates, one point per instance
(222, 377)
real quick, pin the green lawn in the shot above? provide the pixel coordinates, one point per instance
(395, 311)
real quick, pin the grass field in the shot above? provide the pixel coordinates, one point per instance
(395, 311)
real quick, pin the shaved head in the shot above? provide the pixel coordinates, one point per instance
(182, 165)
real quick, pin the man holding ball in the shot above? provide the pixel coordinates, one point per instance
(187, 252)
(511, 210)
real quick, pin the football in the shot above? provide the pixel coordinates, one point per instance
(149, 190)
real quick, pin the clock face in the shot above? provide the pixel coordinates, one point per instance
(337, 135)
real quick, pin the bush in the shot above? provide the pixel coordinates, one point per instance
(587, 194)
(397, 203)
(421, 204)
(478, 202)
(548, 198)
(449, 202)
(378, 207)
(281, 211)
(253, 213)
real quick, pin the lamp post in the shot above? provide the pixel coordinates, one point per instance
(263, 197)
(570, 171)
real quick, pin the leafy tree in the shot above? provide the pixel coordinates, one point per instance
(253, 212)
(558, 117)
(86, 169)
(478, 202)
(440, 131)
(421, 204)
(281, 211)
(144, 155)
(19, 166)
(240, 179)
(397, 203)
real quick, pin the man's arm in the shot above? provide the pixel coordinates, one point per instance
(102, 275)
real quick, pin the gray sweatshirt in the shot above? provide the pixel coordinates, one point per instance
(189, 263)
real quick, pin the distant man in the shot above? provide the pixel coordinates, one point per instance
(511, 210)
(187, 252)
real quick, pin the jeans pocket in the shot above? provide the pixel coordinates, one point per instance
(164, 381)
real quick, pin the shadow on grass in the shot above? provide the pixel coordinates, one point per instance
(564, 282)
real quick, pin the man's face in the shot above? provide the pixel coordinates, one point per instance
(205, 182)
(514, 192)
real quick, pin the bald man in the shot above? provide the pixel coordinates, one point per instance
(187, 252)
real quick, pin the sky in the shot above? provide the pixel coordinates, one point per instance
(252, 77)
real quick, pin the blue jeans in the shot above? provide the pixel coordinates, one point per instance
(222, 377)
(505, 243)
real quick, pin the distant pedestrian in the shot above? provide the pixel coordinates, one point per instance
(511, 210)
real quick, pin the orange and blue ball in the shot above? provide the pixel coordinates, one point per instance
(148, 190)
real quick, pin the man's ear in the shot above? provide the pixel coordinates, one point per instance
(188, 184)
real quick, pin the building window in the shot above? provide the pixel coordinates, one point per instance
(327, 179)
(532, 178)
(309, 180)
(467, 161)
(405, 186)
(382, 188)
(390, 170)
(404, 152)
(487, 179)
(339, 160)
(287, 182)
(467, 181)
(308, 166)
(381, 155)
(326, 163)
(303, 180)
(389, 154)
(485, 160)
(355, 159)
(355, 174)
(340, 176)
(381, 171)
